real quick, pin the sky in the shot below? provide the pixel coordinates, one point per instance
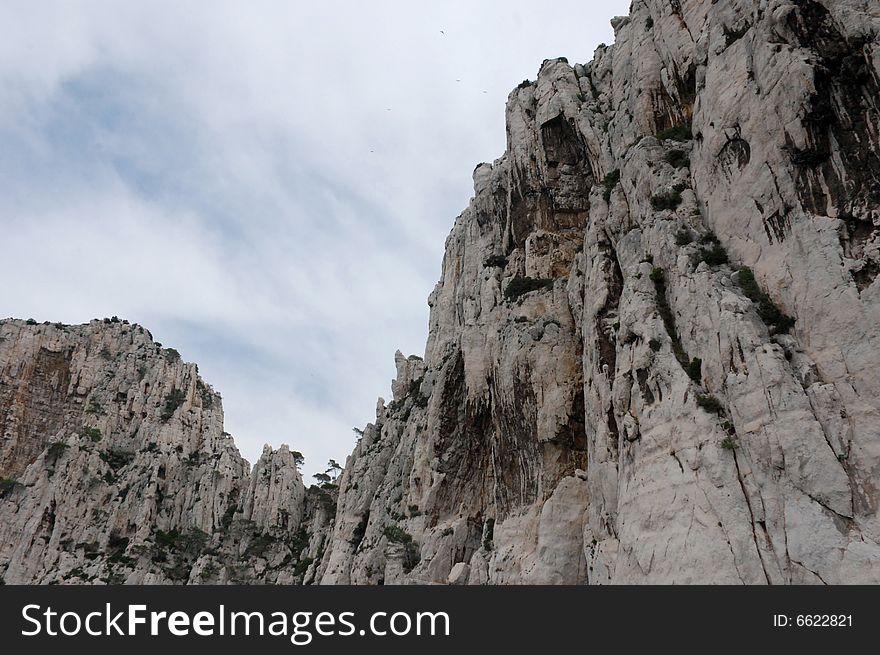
(265, 186)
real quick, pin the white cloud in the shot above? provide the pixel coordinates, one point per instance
(230, 176)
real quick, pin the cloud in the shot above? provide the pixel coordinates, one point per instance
(267, 187)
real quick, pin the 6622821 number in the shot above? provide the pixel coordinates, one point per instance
(813, 620)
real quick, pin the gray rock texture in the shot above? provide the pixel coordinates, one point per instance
(653, 354)
(116, 469)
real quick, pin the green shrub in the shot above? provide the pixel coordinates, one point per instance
(191, 543)
(79, 574)
(179, 571)
(31, 321)
(681, 132)
(92, 433)
(299, 541)
(714, 254)
(695, 369)
(91, 549)
(778, 322)
(611, 180)
(520, 286)
(708, 239)
(171, 355)
(116, 547)
(677, 158)
(658, 277)
(420, 400)
(7, 486)
(327, 501)
(729, 443)
(173, 400)
(259, 545)
(683, 237)
(167, 539)
(709, 403)
(666, 200)
(209, 570)
(302, 566)
(649, 24)
(55, 450)
(116, 458)
(205, 394)
(396, 534)
(654, 345)
(524, 84)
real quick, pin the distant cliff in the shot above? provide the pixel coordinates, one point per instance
(653, 356)
(116, 469)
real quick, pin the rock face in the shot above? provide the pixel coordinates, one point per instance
(653, 356)
(116, 469)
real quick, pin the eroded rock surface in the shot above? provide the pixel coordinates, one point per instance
(116, 469)
(653, 354)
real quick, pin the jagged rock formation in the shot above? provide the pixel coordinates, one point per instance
(116, 468)
(653, 353)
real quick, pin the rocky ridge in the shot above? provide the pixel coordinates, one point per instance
(652, 354)
(116, 468)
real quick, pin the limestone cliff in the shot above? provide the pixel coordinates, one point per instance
(115, 468)
(653, 354)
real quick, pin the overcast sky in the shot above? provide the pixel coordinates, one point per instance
(265, 186)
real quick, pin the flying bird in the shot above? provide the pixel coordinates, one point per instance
(442, 32)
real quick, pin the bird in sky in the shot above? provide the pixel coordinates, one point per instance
(442, 32)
